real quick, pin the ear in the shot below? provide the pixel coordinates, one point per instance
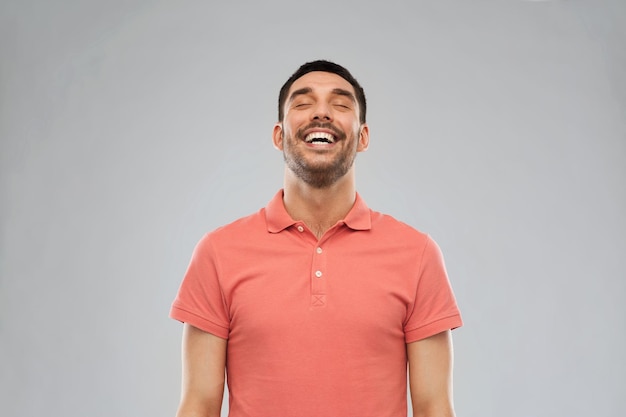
(277, 136)
(364, 138)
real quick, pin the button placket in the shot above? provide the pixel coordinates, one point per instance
(318, 277)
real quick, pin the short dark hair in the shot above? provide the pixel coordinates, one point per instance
(324, 66)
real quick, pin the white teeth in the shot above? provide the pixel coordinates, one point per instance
(322, 136)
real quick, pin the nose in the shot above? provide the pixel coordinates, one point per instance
(321, 112)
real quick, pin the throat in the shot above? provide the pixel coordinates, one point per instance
(319, 230)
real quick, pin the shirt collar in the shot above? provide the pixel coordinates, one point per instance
(358, 218)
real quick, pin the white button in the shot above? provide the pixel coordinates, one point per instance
(318, 274)
(300, 229)
(319, 250)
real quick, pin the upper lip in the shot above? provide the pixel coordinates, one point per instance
(319, 130)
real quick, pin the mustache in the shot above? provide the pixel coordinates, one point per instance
(339, 134)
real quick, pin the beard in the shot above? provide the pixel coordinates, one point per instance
(318, 174)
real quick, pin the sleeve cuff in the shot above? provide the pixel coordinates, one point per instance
(431, 329)
(201, 323)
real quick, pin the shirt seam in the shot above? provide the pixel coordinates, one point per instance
(431, 322)
(186, 310)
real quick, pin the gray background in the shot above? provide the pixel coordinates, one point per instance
(130, 128)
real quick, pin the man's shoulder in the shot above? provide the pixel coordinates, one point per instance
(388, 223)
(238, 236)
(388, 231)
(243, 225)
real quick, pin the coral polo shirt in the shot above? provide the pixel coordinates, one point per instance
(317, 327)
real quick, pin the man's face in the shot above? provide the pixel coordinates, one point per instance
(320, 133)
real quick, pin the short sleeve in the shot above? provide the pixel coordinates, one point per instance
(434, 308)
(200, 300)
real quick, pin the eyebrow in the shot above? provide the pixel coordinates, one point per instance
(345, 93)
(308, 90)
(300, 92)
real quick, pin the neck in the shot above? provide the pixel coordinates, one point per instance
(319, 208)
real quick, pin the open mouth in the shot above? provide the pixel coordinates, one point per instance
(318, 138)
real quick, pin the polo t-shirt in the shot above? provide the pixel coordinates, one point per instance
(317, 327)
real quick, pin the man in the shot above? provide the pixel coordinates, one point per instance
(315, 304)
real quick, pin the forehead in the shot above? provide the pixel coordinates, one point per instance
(320, 81)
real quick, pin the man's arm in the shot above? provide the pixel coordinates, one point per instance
(430, 375)
(204, 362)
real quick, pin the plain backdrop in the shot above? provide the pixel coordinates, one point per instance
(130, 128)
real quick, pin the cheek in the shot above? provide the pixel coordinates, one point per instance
(288, 135)
(349, 124)
(290, 128)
